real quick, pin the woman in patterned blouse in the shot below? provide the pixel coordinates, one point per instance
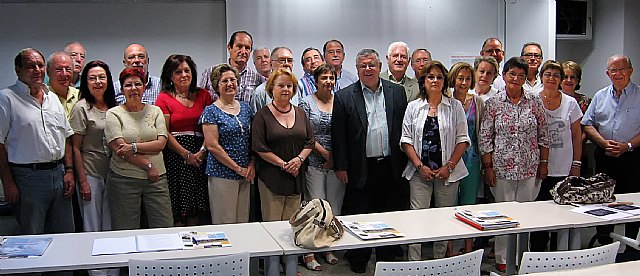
(514, 143)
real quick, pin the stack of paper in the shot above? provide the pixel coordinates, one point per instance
(486, 220)
(139, 243)
(371, 230)
(23, 247)
(608, 211)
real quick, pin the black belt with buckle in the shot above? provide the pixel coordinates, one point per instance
(37, 166)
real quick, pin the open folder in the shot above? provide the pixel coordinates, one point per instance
(138, 243)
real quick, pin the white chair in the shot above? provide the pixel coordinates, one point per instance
(235, 264)
(626, 240)
(467, 264)
(563, 260)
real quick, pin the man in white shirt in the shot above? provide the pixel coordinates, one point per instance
(492, 47)
(35, 150)
(397, 63)
(532, 54)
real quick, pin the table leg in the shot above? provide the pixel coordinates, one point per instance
(254, 267)
(271, 266)
(291, 265)
(563, 240)
(511, 254)
(575, 239)
(620, 229)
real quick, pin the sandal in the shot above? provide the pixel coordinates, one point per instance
(311, 263)
(331, 259)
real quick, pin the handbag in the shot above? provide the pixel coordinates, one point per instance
(573, 189)
(314, 225)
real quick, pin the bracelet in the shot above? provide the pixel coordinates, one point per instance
(576, 162)
(419, 167)
(284, 165)
(134, 148)
(301, 159)
(203, 149)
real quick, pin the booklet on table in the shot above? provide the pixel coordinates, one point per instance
(15, 247)
(371, 230)
(486, 219)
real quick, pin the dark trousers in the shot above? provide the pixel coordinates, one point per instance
(381, 193)
(623, 170)
(538, 240)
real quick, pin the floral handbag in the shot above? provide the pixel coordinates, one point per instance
(573, 189)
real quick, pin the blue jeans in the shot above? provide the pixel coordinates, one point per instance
(42, 207)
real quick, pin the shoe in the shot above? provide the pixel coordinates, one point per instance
(501, 267)
(311, 263)
(358, 268)
(331, 259)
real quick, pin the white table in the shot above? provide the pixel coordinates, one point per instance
(618, 269)
(72, 251)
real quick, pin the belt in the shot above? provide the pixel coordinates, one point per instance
(38, 166)
(378, 159)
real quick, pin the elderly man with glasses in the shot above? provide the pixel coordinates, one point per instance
(532, 53)
(492, 47)
(281, 57)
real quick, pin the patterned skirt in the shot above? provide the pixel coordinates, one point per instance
(187, 184)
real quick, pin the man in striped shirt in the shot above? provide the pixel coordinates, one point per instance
(311, 59)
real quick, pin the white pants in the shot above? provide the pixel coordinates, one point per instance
(228, 200)
(323, 184)
(524, 190)
(420, 192)
(95, 212)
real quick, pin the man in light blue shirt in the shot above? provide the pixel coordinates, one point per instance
(612, 122)
(281, 57)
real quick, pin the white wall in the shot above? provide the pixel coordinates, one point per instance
(632, 35)
(530, 21)
(196, 28)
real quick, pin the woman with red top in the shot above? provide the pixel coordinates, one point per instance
(182, 104)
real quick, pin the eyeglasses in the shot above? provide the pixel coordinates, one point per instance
(573, 78)
(493, 51)
(622, 70)
(94, 79)
(421, 60)
(229, 80)
(284, 60)
(549, 75)
(533, 55)
(515, 75)
(368, 66)
(435, 78)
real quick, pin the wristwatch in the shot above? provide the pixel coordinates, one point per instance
(630, 147)
(203, 149)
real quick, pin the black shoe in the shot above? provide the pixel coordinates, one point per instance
(358, 268)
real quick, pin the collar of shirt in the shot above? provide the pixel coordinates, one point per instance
(240, 72)
(366, 89)
(534, 83)
(625, 91)
(504, 98)
(23, 88)
(70, 94)
(445, 100)
(393, 79)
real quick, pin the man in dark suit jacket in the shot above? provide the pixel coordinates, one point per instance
(366, 128)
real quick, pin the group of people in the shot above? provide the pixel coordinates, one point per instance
(146, 151)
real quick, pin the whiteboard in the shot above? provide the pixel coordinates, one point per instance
(195, 28)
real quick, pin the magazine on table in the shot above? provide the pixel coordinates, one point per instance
(14, 247)
(195, 240)
(486, 219)
(371, 230)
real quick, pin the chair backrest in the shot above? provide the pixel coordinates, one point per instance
(467, 264)
(235, 264)
(562, 260)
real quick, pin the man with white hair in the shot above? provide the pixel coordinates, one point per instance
(77, 53)
(397, 63)
(60, 72)
(262, 61)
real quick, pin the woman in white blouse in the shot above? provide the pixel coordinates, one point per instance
(434, 137)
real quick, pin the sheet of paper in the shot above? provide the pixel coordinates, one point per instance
(600, 211)
(159, 242)
(110, 246)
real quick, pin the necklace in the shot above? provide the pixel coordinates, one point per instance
(188, 98)
(283, 112)
(229, 106)
(548, 99)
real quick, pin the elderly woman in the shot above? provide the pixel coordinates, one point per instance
(283, 138)
(461, 78)
(136, 133)
(570, 85)
(565, 138)
(486, 69)
(514, 143)
(321, 180)
(226, 125)
(434, 137)
(90, 151)
(182, 103)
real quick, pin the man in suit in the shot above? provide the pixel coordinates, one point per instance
(398, 62)
(366, 129)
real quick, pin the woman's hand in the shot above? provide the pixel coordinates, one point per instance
(251, 172)
(152, 174)
(85, 189)
(194, 159)
(328, 163)
(489, 177)
(293, 166)
(124, 149)
(543, 170)
(442, 172)
(575, 171)
(427, 173)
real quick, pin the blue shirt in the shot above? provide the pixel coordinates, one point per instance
(615, 118)
(307, 85)
(345, 79)
(378, 132)
(233, 137)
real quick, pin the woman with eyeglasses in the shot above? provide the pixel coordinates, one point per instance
(136, 133)
(434, 138)
(565, 138)
(182, 103)
(570, 86)
(226, 126)
(514, 143)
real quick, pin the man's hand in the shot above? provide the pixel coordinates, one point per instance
(614, 148)
(342, 176)
(68, 184)
(11, 193)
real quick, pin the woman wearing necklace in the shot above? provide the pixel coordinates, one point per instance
(226, 125)
(461, 78)
(434, 137)
(321, 179)
(570, 85)
(514, 143)
(565, 138)
(136, 133)
(182, 104)
(283, 138)
(486, 71)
